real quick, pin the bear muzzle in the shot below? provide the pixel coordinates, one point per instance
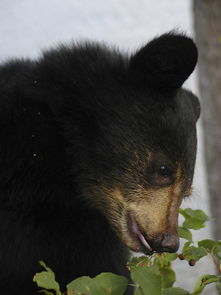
(165, 243)
(162, 242)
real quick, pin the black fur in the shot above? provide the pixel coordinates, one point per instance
(166, 62)
(71, 120)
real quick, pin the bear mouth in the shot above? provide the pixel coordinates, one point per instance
(140, 237)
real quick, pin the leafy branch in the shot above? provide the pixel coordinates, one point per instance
(152, 275)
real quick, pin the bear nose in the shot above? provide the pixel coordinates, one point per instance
(166, 243)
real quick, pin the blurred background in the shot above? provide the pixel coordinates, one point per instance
(29, 26)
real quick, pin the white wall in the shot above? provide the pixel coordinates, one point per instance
(27, 26)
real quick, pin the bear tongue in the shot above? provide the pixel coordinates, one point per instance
(135, 229)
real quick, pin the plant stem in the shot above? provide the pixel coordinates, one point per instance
(216, 263)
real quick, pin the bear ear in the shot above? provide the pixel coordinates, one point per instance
(165, 62)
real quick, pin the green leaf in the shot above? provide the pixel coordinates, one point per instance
(175, 291)
(46, 279)
(218, 287)
(185, 233)
(160, 260)
(207, 244)
(193, 223)
(48, 269)
(183, 212)
(194, 219)
(217, 251)
(203, 281)
(139, 261)
(104, 283)
(164, 259)
(186, 246)
(197, 214)
(168, 277)
(194, 253)
(149, 282)
(138, 292)
(171, 256)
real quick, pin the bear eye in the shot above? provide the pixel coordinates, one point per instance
(161, 175)
(164, 170)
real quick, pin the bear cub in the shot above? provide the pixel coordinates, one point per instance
(97, 152)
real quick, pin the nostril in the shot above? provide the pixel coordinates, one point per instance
(170, 243)
(166, 243)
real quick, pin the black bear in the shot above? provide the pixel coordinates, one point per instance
(97, 151)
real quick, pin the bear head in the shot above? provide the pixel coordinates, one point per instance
(137, 138)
